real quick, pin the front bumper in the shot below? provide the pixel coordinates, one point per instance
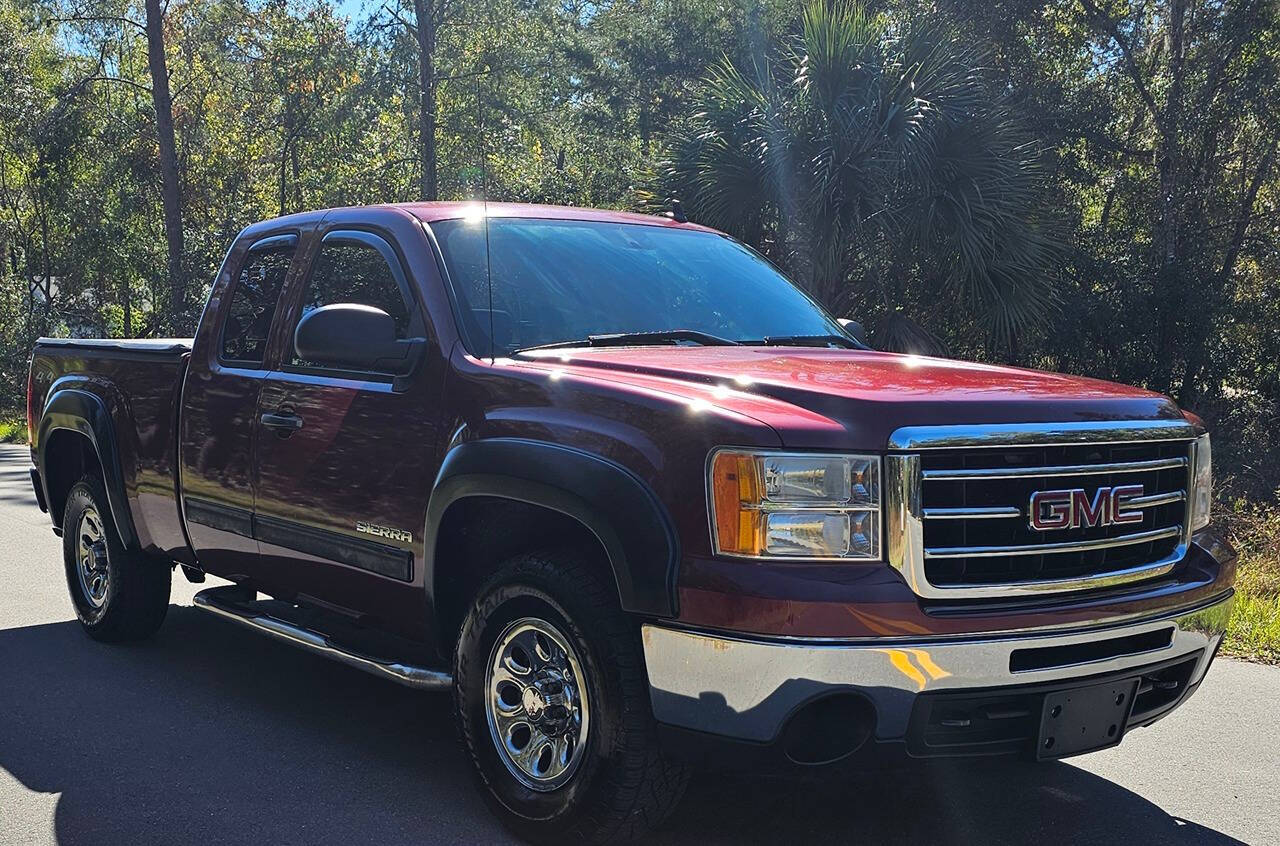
(749, 689)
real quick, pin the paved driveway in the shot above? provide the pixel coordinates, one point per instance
(211, 734)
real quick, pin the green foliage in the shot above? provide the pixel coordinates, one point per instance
(1161, 116)
(1254, 629)
(12, 432)
(882, 167)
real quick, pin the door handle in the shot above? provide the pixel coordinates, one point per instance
(282, 423)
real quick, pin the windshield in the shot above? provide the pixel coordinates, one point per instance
(566, 280)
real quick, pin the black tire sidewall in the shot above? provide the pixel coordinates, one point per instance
(137, 597)
(85, 493)
(538, 810)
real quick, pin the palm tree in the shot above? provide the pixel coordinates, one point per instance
(874, 161)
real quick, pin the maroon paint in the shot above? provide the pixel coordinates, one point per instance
(365, 452)
(141, 398)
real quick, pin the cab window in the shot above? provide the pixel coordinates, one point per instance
(355, 271)
(254, 296)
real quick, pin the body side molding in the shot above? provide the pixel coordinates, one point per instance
(370, 556)
(608, 499)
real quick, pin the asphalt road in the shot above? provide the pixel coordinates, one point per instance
(212, 734)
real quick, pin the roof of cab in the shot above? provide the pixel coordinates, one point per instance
(431, 212)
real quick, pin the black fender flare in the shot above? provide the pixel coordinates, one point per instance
(613, 503)
(84, 412)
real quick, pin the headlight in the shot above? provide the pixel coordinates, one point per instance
(795, 505)
(1201, 483)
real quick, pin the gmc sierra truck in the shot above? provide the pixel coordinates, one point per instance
(637, 501)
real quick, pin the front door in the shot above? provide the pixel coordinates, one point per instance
(220, 407)
(346, 459)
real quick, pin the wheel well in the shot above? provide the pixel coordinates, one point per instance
(478, 533)
(68, 455)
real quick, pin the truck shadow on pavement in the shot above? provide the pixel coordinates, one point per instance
(212, 734)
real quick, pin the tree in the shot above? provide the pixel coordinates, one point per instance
(1162, 117)
(872, 158)
(425, 26)
(429, 16)
(171, 200)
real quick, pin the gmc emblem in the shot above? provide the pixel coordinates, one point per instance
(1073, 509)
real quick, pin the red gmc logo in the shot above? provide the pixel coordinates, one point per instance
(1073, 509)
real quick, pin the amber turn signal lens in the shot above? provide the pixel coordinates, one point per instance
(735, 483)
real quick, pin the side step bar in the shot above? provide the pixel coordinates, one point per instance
(229, 603)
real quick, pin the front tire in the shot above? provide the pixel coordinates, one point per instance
(553, 706)
(117, 595)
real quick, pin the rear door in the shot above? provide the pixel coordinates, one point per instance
(346, 459)
(220, 406)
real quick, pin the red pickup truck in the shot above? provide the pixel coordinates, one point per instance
(637, 501)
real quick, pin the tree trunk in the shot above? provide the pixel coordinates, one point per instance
(282, 191)
(1105, 219)
(170, 196)
(426, 27)
(127, 304)
(297, 183)
(1170, 151)
(1197, 353)
(281, 188)
(1169, 165)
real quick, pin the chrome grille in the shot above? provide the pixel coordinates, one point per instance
(958, 515)
(962, 549)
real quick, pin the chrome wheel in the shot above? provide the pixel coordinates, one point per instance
(536, 704)
(91, 558)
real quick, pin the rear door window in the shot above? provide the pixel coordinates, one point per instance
(254, 296)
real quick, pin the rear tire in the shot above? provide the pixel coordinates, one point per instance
(118, 595)
(547, 661)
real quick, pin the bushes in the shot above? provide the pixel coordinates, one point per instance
(13, 432)
(1254, 529)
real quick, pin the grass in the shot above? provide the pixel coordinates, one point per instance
(13, 432)
(1254, 629)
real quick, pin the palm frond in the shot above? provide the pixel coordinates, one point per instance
(863, 133)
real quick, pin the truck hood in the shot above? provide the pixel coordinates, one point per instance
(830, 398)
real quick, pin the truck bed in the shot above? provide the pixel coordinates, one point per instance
(139, 384)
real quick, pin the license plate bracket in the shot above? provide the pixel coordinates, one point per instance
(1084, 719)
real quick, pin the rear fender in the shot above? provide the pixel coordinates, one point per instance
(81, 411)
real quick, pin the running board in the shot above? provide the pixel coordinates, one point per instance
(229, 602)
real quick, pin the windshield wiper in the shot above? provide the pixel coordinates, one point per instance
(806, 341)
(636, 339)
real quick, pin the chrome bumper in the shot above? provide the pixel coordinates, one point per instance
(747, 688)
